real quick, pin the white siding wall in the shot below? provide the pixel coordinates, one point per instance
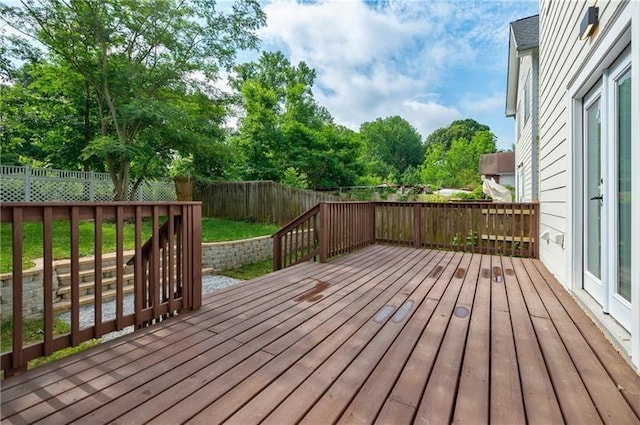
(524, 136)
(561, 54)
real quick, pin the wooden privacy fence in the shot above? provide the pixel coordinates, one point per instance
(263, 201)
(335, 228)
(167, 269)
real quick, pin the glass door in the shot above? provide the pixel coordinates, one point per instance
(592, 196)
(620, 290)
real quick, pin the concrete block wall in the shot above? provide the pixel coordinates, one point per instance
(32, 293)
(231, 254)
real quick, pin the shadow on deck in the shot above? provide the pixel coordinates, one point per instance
(385, 334)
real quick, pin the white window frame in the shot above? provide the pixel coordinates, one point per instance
(527, 98)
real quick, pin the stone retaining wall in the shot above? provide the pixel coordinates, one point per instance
(231, 254)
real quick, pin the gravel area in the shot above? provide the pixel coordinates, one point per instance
(209, 284)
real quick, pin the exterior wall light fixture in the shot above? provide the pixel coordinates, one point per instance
(589, 23)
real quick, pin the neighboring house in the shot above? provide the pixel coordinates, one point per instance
(522, 104)
(499, 167)
(589, 157)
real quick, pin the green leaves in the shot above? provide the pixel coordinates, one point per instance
(391, 146)
(455, 162)
(284, 134)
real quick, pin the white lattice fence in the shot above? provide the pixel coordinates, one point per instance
(26, 184)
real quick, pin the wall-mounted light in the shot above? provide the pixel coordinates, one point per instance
(589, 22)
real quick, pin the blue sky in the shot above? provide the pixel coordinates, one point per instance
(430, 62)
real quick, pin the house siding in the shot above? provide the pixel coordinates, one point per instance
(561, 54)
(524, 146)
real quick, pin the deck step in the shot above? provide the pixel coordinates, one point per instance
(88, 299)
(87, 288)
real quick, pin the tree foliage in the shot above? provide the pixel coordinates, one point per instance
(459, 129)
(147, 65)
(455, 162)
(392, 146)
(283, 127)
(47, 118)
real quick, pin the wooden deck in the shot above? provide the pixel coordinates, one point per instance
(386, 334)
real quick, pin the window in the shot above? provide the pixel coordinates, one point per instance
(527, 98)
(520, 177)
(518, 120)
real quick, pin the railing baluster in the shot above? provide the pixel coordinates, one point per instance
(18, 360)
(170, 241)
(138, 272)
(97, 272)
(75, 277)
(119, 268)
(47, 239)
(155, 273)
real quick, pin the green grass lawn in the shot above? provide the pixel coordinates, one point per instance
(213, 230)
(249, 271)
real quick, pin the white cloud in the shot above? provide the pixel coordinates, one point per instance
(396, 58)
(477, 104)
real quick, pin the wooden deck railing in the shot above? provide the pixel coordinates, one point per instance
(341, 227)
(167, 269)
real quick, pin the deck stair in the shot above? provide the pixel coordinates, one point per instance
(87, 280)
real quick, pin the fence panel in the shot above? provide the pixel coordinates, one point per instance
(26, 184)
(263, 201)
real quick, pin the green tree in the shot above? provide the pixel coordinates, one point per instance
(457, 166)
(141, 60)
(391, 146)
(284, 128)
(459, 129)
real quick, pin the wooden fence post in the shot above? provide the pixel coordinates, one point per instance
(417, 225)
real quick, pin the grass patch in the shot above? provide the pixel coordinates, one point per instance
(32, 332)
(249, 271)
(213, 230)
(218, 230)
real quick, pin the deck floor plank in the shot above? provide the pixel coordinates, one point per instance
(540, 402)
(438, 400)
(506, 404)
(472, 403)
(301, 344)
(413, 379)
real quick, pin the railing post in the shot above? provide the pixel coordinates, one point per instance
(372, 229)
(277, 252)
(324, 232)
(196, 299)
(417, 225)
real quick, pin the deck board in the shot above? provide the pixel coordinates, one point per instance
(304, 344)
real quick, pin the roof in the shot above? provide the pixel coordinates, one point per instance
(492, 164)
(525, 32)
(523, 37)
